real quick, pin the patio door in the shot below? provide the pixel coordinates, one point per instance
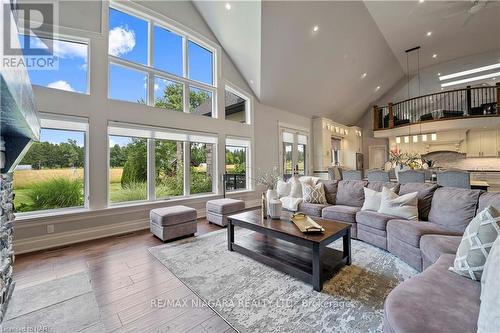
(294, 152)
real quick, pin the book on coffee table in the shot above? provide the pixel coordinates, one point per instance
(305, 223)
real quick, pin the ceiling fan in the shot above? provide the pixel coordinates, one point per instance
(469, 9)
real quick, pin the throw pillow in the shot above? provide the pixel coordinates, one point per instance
(476, 243)
(404, 206)
(489, 310)
(314, 194)
(372, 199)
(296, 188)
(283, 188)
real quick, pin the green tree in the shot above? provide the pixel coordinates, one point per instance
(135, 169)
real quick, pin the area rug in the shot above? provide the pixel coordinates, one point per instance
(253, 297)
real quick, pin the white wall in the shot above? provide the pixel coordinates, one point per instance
(99, 220)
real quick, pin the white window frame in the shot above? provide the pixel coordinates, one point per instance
(242, 143)
(66, 123)
(64, 38)
(248, 101)
(295, 131)
(163, 22)
(161, 133)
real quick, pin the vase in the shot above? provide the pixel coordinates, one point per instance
(270, 195)
(399, 168)
(275, 208)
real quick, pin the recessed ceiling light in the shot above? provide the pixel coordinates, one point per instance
(251, 81)
(439, 74)
(363, 75)
(429, 33)
(228, 6)
(421, 1)
(316, 28)
(434, 55)
(377, 89)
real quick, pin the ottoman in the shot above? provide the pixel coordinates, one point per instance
(172, 222)
(219, 209)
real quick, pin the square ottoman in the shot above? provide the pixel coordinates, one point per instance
(219, 209)
(172, 222)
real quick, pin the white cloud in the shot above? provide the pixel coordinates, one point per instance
(70, 50)
(63, 85)
(121, 41)
(157, 86)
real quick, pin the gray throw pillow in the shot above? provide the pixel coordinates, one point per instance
(314, 194)
(476, 244)
(489, 310)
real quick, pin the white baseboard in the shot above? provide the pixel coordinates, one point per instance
(71, 237)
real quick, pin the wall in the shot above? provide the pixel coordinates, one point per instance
(99, 220)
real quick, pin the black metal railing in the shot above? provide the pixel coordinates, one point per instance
(236, 181)
(467, 102)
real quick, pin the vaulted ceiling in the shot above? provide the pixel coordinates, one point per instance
(321, 73)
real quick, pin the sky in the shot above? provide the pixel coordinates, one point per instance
(128, 39)
(61, 136)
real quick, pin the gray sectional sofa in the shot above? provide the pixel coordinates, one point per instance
(436, 300)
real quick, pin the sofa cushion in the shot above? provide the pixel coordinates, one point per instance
(454, 208)
(425, 192)
(404, 206)
(372, 199)
(283, 188)
(340, 213)
(378, 186)
(350, 193)
(489, 199)
(489, 311)
(476, 243)
(433, 246)
(435, 301)
(330, 187)
(411, 231)
(311, 209)
(314, 193)
(373, 219)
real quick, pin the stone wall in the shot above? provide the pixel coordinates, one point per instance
(6, 233)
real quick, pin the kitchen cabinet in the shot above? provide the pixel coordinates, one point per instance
(483, 143)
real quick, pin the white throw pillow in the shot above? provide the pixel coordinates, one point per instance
(296, 188)
(476, 243)
(404, 206)
(283, 188)
(311, 180)
(372, 199)
(314, 194)
(489, 310)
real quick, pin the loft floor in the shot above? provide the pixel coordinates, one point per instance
(124, 278)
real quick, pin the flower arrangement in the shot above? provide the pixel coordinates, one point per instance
(411, 160)
(396, 157)
(268, 178)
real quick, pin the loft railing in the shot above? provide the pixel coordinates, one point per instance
(460, 103)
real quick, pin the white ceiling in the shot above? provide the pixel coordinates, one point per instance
(319, 73)
(405, 24)
(239, 31)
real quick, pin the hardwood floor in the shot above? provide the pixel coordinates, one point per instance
(130, 285)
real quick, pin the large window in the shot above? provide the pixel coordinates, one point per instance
(155, 65)
(236, 106)
(69, 72)
(147, 163)
(201, 169)
(294, 153)
(52, 173)
(128, 173)
(237, 158)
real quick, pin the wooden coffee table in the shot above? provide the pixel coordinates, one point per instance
(281, 245)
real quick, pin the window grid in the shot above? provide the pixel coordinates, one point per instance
(151, 71)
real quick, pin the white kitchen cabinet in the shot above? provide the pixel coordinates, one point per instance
(482, 143)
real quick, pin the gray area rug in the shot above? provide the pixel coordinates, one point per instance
(256, 298)
(61, 305)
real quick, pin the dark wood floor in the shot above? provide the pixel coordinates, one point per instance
(125, 279)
